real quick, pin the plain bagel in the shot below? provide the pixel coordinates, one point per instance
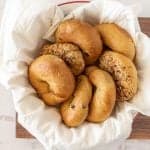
(83, 35)
(52, 79)
(75, 110)
(117, 39)
(104, 97)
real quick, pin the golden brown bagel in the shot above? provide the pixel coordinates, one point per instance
(83, 35)
(104, 97)
(52, 79)
(123, 71)
(75, 110)
(69, 53)
(117, 39)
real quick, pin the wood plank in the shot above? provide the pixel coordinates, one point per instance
(145, 25)
(21, 132)
(141, 125)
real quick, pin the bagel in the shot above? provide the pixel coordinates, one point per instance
(104, 97)
(52, 79)
(83, 35)
(75, 110)
(117, 39)
(123, 71)
(69, 53)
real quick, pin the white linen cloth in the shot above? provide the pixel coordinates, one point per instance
(21, 37)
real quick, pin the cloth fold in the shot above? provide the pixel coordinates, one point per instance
(24, 36)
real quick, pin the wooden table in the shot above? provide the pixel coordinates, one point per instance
(141, 125)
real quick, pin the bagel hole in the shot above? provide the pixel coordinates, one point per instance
(86, 54)
(94, 89)
(84, 107)
(118, 71)
(45, 85)
(115, 66)
(79, 80)
(129, 76)
(123, 67)
(72, 106)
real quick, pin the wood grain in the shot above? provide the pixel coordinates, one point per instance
(21, 132)
(141, 124)
(141, 127)
(145, 25)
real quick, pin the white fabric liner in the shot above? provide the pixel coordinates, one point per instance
(22, 36)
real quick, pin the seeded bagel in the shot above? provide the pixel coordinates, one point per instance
(69, 53)
(123, 71)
